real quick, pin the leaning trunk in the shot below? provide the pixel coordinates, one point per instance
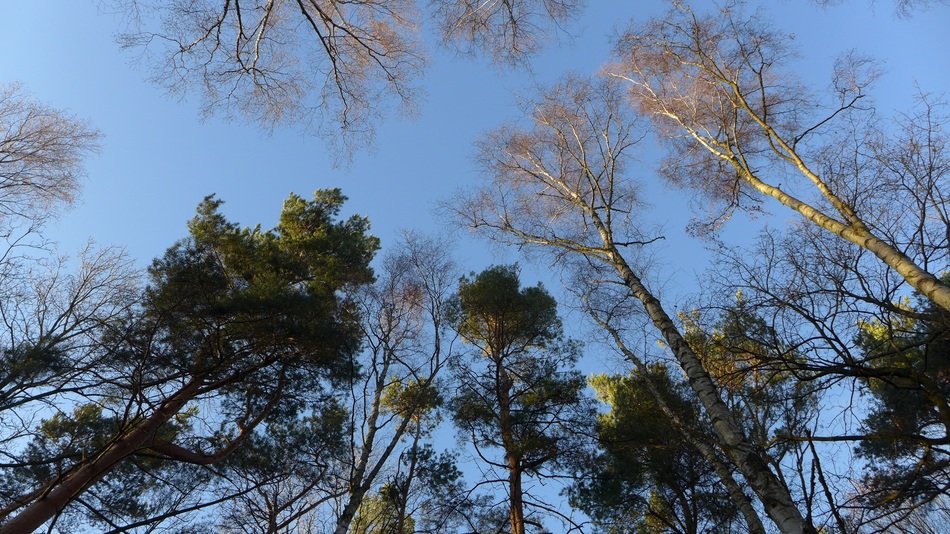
(747, 457)
(84, 475)
(918, 278)
(736, 495)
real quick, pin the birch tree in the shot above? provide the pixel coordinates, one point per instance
(395, 394)
(735, 122)
(857, 337)
(559, 184)
(41, 154)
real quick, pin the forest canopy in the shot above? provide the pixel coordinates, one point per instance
(708, 290)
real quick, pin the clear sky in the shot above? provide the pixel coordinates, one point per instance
(159, 158)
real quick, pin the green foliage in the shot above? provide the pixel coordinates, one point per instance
(286, 464)
(411, 397)
(908, 376)
(494, 313)
(258, 290)
(751, 364)
(425, 491)
(29, 364)
(646, 479)
(287, 445)
(64, 440)
(522, 396)
(436, 471)
(257, 319)
(379, 514)
(543, 397)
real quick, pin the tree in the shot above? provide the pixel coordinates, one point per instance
(902, 8)
(43, 308)
(906, 429)
(610, 307)
(51, 319)
(319, 63)
(523, 395)
(749, 360)
(41, 151)
(277, 481)
(643, 480)
(734, 121)
(424, 494)
(379, 513)
(236, 329)
(394, 390)
(753, 364)
(509, 31)
(328, 467)
(559, 186)
(846, 318)
(52, 308)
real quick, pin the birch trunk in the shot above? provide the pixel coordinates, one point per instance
(775, 497)
(349, 511)
(722, 469)
(918, 278)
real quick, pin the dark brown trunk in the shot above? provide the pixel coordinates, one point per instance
(503, 394)
(514, 490)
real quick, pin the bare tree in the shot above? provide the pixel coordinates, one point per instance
(393, 397)
(41, 152)
(857, 336)
(275, 60)
(508, 30)
(51, 320)
(281, 480)
(560, 185)
(332, 64)
(736, 123)
(903, 8)
(608, 304)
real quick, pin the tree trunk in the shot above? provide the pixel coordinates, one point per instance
(515, 494)
(853, 230)
(406, 485)
(86, 474)
(747, 457)
(349, 511)
(918, 278)
(722, 469)
(736, 495)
